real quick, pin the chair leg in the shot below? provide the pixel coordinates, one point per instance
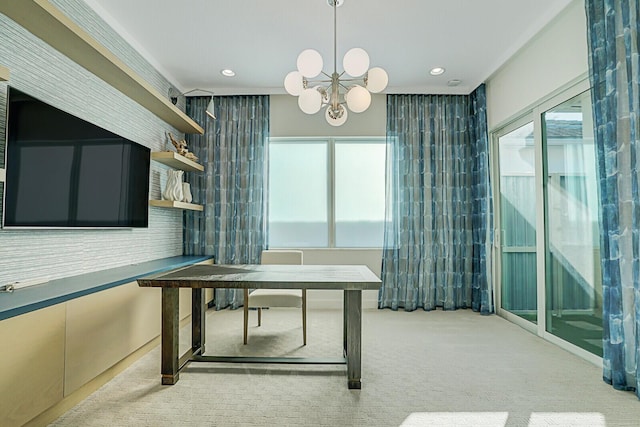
(246, 314)
(259, 316)
(304, 316)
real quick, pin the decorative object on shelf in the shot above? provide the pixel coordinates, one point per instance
(173, 187)
(210, 110)
(4, 73)
(181, 148)
(186, 192)
(337, 91)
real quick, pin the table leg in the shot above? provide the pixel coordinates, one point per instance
(344, 324)
(245, 310)
(353, 309)
(197, 320)
(170, 330)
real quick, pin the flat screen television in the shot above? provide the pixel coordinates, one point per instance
(64, 172)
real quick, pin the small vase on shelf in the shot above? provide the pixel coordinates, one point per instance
(173, 187)
(186, 192)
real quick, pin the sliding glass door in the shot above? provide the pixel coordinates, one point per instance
(547, 222)
(573, 279)
(517, 215)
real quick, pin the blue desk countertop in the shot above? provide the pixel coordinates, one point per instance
(55, 291)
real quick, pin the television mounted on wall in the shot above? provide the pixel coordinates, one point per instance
(64, 172)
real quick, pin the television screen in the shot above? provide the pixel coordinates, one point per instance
(62, 171)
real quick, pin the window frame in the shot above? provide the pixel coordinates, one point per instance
(330, 142)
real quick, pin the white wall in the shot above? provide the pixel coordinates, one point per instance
(286, 119)
(553, 60)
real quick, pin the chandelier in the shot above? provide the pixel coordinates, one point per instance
(352, 87)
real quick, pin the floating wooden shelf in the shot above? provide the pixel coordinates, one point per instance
(47, 22)
(4, 74)
(176, 161)
(175, 205)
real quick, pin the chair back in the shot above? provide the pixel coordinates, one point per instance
(283, 257)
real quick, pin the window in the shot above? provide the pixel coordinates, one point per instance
(573, 279)
(298, 203)
(326, 192)
(518, 217)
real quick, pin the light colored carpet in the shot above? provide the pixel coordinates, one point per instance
(419, 369)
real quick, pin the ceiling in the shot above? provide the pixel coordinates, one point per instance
(191, 41)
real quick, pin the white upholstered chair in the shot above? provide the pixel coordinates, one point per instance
(262, 298)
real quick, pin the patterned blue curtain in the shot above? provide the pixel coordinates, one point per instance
(438, 228)
(232, 227)
(614, 70)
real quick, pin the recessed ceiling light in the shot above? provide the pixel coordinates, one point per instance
(454, 82)
(436, 71)
(227, 72)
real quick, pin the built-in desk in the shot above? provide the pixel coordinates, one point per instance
(56, 291)
(64, 339)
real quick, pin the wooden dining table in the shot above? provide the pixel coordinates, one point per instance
(351, 279)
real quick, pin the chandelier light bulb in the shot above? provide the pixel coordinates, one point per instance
(336, 118)
(293, 83)
(356, 62)
(309, 63)
(358, 99)
(377, 80)
(310, 101)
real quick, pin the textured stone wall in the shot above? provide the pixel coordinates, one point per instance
(46, 74)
